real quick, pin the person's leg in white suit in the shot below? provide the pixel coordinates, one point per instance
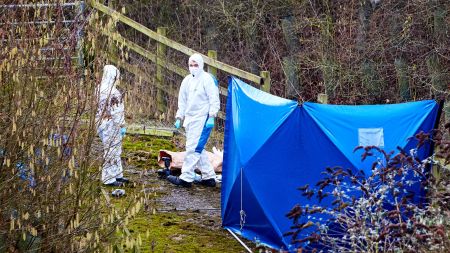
(112, 150)
(196, 137)
(206, 167)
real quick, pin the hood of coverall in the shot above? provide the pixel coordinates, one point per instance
(199, 60)
(110, 76)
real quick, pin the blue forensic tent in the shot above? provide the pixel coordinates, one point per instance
(274, 145)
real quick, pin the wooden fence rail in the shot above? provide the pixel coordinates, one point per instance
(161, 38)
(213, 65)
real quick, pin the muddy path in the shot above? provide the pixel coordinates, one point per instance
(200, 202)
(177, 219)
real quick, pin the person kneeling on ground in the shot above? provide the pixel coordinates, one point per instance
(198, 104)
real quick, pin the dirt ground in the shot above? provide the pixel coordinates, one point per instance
(203, 203)
(178, 219)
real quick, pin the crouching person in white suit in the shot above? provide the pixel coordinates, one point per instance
(110, 120)
(198, 105)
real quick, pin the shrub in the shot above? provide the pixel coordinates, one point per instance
(380, 212)
(51, 198)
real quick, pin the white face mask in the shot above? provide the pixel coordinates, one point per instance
(194, 71)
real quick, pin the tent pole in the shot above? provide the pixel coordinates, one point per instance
(239, 240)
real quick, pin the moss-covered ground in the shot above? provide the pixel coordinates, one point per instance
(157, 228)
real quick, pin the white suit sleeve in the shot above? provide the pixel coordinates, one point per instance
(182, 100)
(213, 96)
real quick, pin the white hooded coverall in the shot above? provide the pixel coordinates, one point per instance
(110, 118)
(198, 100)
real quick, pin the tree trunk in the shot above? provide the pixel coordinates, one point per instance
(328, 62)
(253, 42)
(439, 76)
(369, 75)
(400, 63)
(371, 80)
(402, 79)
(290, 63)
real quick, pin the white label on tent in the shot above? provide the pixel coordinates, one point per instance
(371, 137)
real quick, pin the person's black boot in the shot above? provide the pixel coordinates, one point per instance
(115, 184)
(163, 173)
(177, 181)
(207, 182)
(123, 180)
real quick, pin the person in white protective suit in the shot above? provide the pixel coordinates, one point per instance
(111, 126)
(198, 105)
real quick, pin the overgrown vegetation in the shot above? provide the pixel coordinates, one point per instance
(357, 51)
(50, 191)
(52, 199)
(403, 206)
(360, 51)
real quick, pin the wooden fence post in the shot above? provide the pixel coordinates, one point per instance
(322, 98)
(266, 81)
(161, 50)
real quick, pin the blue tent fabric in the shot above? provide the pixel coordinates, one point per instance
(274, 145)
(341, 124)
(266, 115)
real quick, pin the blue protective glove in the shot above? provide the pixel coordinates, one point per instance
(210, 122)
(177, 124)
(123, 130)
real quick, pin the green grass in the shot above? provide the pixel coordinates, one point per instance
(142, 151)
(169, 232)
(165, 231)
